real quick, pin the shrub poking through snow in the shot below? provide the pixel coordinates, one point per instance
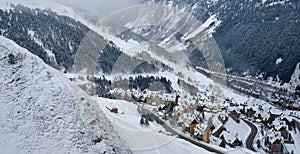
(11, 59)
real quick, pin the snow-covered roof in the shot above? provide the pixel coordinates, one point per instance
(274, 135)
(278, 124)
(168, 97)
(265, 115)
(228, 137)
(289, 118)
(273, 139)
(202, 127)
(215, 141)
(216, 122)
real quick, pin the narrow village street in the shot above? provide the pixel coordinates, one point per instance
(250, 139)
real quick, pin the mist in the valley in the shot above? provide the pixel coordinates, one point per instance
(98, 9)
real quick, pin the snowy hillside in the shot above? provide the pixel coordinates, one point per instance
(41, 111)
(295, 79)
(203, 72)
(46, 4)
(142, 139)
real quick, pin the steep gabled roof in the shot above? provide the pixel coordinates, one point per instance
(228, 137)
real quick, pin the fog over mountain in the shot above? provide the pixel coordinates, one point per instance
(95, 7)
(89, 9)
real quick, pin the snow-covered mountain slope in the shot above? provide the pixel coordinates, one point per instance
(53, 5)
(42, 112)
(55, 39)
(295, 79)
(251, 35)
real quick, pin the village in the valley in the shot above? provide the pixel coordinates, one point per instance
(221, 122)
(209, 119)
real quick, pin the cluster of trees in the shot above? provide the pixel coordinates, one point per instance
(153, 83)
(108, 58)
(102, 85)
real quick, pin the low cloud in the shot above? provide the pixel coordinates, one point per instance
(99, 8)
(91, 8)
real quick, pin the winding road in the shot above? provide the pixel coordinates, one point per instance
(250, 139)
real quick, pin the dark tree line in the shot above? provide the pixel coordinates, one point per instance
(142, 83)
(102, 85)
(41, 31)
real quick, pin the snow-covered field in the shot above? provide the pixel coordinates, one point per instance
(143, 139)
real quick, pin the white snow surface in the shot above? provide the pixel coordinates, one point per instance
(263, 1)
(128, 47)
(279, 60)
(205, 26)
(240, 130)
(296, 146)
(277, 3)
(143, 139)
(295, 78)
(41, 111)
